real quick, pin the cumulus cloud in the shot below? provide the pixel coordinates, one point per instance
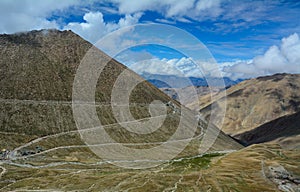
(277, 59)
(144, 62)
(186, 66)
(155, 66)
(94, 27)
(177, 66)
(27, 15)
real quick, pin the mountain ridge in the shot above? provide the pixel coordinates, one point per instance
(255, 102)
(163, 81)
(280, 128)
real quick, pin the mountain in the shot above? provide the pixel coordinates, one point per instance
(254, 102)
(158, 83)
(188, 98)
(42, 149)
(173, 81)
(262, 114)
(279, 129)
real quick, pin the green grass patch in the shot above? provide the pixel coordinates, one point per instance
(197, 162)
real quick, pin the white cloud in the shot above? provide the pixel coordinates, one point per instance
(277, 59)
(230, 16)
(128, 7)
(165, 21)
(206, 4)
(238, 69)
(129, 20)
(27, 15)
(285, 58)
(172, 8)
(180, 67)
(183, 20)
(212, 8)
(291, 49)
(95, 27)
(178, 7)
(186, 66)
(155, 66)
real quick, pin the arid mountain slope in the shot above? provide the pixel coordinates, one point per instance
(41, 65)
(37, 74)
(255, 102)
(279, 129)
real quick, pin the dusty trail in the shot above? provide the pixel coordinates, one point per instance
(4, 170)
(9, 162)
(56, 102)
(13, 153)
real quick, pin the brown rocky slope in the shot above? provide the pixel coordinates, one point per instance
(254, 102)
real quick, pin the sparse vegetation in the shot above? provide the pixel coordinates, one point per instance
(46, 151)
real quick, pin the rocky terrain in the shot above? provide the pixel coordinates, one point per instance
(254, 102)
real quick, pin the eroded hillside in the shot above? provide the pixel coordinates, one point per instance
(255, 102)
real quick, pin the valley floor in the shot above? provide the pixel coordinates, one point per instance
(249, 169)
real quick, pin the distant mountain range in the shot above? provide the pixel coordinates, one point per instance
(173, 81)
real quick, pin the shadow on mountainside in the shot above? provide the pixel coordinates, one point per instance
(285, 126)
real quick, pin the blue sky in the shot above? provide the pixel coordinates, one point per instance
(247, 38)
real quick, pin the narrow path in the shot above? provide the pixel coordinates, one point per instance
(13, 153)
(44, 166)
(57, 102)
(105, 162)
(262, 163)
(4, 170)
(14, 157)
